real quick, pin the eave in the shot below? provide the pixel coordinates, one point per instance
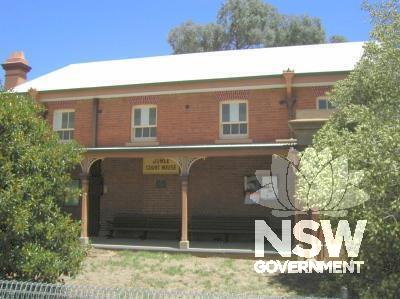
(203, 150)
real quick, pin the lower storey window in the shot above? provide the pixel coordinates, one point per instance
(73, 199)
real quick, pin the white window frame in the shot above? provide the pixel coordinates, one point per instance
(133, 127)
(221, 123)
(61, 111)
(323, 98)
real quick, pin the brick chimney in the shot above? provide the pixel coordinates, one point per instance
(16, 67)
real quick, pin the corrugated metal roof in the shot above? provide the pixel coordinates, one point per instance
(336, 57)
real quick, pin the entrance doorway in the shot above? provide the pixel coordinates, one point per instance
(95, 193)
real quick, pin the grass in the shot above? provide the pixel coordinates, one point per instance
(171, 271)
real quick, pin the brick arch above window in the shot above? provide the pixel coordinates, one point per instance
(232, 95)
(320, 91)
(144, 100)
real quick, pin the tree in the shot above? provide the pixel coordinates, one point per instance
(190, 37)
(243, 24)
(37, 240)
(337, 39)
(247, 24)
(366, 129)
(299, 30)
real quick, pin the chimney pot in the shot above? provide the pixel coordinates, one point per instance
(16, 68)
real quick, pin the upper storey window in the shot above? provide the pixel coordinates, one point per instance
(324, 104)
(234, 119)
(144, 123)
(64, 124)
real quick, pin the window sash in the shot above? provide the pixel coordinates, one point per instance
(65, 134)
(234, 112)
(235, 129)
(64, 120)
(145, 116)
(144, 132)
(234, 119)
(64, 123)
(73, 201)
(324, 104)
(144, 123)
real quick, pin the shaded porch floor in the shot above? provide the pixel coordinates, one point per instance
(196, 247)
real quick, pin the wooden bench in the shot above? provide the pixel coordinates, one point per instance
(222, 225)
(144, 223)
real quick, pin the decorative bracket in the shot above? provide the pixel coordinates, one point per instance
(185, 163)
(86, 163)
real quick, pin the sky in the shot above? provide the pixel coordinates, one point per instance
(53, 34)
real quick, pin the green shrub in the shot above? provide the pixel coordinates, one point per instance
(366, 129)
(37, 240)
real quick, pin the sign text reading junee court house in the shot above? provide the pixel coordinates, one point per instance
(159, 166)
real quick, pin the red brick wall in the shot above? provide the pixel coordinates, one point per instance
(83, 118)
(215, 188)
(187, 118)
(129, 191)
(307, 96)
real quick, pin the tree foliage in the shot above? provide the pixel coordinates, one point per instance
(337, 39)
(247, 24)
(37, 240)
(299, 30)
(243, 24)
(326, 185)
(366, 129)
(191, 37)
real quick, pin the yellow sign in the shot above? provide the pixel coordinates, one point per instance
(159, 166)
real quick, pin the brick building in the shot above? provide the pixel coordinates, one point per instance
(180, 135)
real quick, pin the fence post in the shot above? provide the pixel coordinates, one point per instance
(344, 293)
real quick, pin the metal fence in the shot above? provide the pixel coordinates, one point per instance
(33, 290)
